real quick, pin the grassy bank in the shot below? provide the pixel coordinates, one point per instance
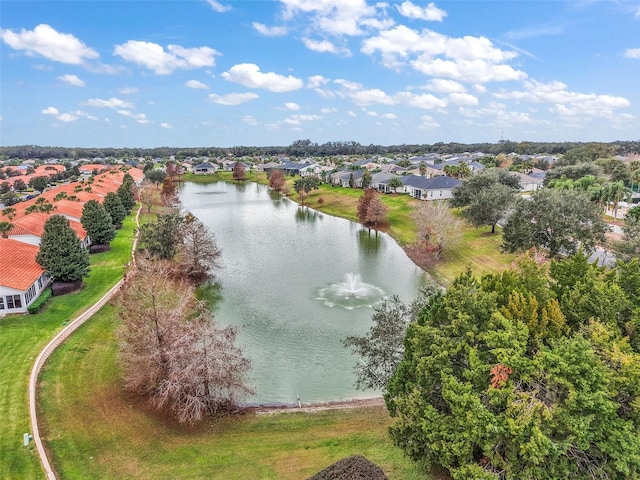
(23, 336)
(478, 248)
(95, 431)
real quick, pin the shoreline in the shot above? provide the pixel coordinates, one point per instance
(316, 407)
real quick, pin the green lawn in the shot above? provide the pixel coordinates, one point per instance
(95, 431)
(23, 336)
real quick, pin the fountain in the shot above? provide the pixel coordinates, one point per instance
(350, 293)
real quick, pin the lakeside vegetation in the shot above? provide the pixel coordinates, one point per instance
(23, 336)
(25, 343)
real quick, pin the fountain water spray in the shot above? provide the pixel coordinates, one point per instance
(351, 293)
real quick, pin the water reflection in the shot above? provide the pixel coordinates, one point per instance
(370, 241)
(211, 293)
(308, 215)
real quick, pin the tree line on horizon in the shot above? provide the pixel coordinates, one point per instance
(306, 148)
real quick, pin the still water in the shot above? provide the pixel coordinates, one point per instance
(296, 282)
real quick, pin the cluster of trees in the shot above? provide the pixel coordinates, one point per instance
(306, 148)
(173, 353)
(529, 373)
(303, 187)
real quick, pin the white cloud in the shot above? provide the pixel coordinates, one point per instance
(127, 90)
(166, 125)
(270, 31)
(71, 80)
(111, 103)
(470, 59)
(336, 17)
(324, 46)
(566, 103)
(43, 40)
(445, 86)
(218, 7)
(637, 12)
(351, 113)
(249, 120)
(292, 106)
(155, 58)
(427, 123)
(369, 97)
(298, 119)
(632, 53)
(138, 117)
(196, 84)
(249, 75)
(463, 99)
(328, 110)
(363, 97)
(50, 111)
(430, 12)
(232, 98)
(389, 116)
(316, 81)
(67, 117)
(425, 101)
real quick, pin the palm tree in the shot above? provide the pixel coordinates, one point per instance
(616, 192)
(5, 228)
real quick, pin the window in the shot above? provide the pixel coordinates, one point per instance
(1, 303)
(14, 301)
(30, 294)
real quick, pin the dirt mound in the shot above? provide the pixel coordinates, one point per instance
(356, 467)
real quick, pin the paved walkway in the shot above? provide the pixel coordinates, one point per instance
(48, 350)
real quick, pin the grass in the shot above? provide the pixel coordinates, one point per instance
(96, 431)
(23, 336)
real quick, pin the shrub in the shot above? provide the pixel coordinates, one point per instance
(40, 302)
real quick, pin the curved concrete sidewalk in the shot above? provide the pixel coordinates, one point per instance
(51, 346)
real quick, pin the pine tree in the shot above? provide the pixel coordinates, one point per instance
(97, 222)
(113, 206)
(61, 254)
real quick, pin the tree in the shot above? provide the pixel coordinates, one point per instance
(239, 172)
(616, 192)
(126, 193)
(438, 230)
(628, 247)
(381, 349)
(366, 179)
(395, 183)
(276, 179)
(490, 205)
(198, 253)
(97, 223)
(363, 204)
(147, 198)
(4, 187)
(39, 183)
(481, 393)
(5, 228)
(376, 211)
(9, 212)
(173, 353)
(113, 206)
(168, 194)
(303, 187)
(19, 185)
(352, 180)
(155, 176)
(162, 238)
(61, 254)
(464, 194)
(558, 221)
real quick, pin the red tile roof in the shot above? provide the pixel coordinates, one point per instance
(18, 264)
(33, 224)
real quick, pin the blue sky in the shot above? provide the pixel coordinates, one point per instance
(228, 73)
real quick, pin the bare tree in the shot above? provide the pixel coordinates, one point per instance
(276, 179)
(376, 211)
(171, 350)
(147, 198)
(198, 254)
(239, 172)
(438, 230)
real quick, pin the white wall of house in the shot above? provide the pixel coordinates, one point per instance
(443, 194)
(30, 239)
(17, 301)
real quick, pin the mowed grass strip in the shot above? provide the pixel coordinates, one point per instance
(96, 431)
(23, 336)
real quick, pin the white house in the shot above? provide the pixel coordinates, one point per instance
(436, 188)
(22, 279)
(205, 168)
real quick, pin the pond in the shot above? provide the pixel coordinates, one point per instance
(296, 282)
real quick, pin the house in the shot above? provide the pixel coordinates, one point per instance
(436, 188)
(29, 229)
(205, 168)
(379, 181)
(530, 182)
(357, 179)
(21, 281)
